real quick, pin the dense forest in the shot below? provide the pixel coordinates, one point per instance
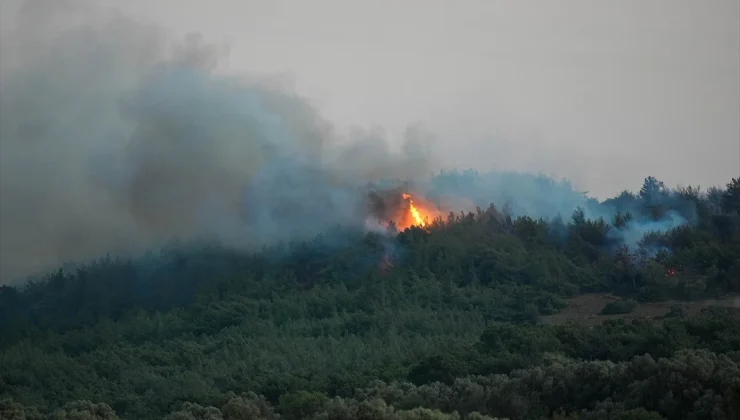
(450, 320)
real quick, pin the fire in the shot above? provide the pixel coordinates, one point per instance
(399, 207)
(417, 215)
(404, 212)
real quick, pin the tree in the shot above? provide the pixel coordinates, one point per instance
(191, 411)
(10, 410)
(652, 190)
(85, 410)
(731, 197)
(653, 194)
(302, 404)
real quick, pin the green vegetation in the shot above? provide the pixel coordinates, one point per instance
(455, 328)
(619, 307)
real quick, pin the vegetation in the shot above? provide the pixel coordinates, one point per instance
(621, 306)
(456, 327)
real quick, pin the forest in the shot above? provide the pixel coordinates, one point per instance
(450, 320)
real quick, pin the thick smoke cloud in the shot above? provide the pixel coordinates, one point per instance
(113, 141)
(542, 197)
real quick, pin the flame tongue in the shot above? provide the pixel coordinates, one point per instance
(415, 214)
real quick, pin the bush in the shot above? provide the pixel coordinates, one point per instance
(619, 307)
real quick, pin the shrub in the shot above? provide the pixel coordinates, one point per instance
(619, 307)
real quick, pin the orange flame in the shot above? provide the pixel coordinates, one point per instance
(417, 215)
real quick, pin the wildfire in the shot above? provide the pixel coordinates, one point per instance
(405, 213)
(418, 216)
(399, 207)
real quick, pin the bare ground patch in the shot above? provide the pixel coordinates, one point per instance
(585, 309)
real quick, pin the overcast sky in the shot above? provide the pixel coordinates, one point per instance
(602, 92)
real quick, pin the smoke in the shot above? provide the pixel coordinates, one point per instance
(111, 140)
(633, 233)
(115, 140)
(542, 197)
(536, 196)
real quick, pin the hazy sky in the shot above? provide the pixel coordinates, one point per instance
(602, 92)
(103, 152)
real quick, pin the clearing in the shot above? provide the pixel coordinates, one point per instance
(585, 309)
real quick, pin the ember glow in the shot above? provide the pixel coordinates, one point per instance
(414, 214)
(402, 208)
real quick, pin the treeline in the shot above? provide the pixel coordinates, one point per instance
(456, 309)
(679, 368)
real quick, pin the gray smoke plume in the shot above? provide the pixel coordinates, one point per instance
(111, 140)
(115, 140)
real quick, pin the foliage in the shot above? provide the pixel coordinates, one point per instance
(455, 328)
(619, 307)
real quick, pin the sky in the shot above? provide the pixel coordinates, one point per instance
(603, 93)
(104, 149)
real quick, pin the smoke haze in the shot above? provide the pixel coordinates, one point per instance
(114, 142)
(115, 137)
(602, 93)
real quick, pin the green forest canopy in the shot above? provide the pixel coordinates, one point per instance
(454, 328)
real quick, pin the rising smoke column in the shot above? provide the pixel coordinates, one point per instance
(113, 141)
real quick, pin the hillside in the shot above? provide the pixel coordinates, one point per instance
(494, 313)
